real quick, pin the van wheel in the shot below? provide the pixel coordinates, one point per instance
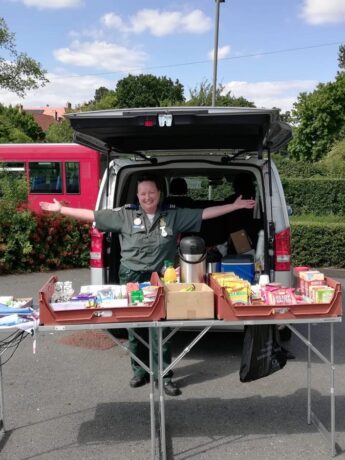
(285, 333)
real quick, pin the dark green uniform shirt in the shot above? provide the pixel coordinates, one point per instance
(145, 246)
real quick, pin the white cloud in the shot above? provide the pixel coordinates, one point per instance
(196, 22)
(113, 21)
(323, 11)
(59, 91)
(270, 94)
(52, 4)
(102, 55)
(223, 52)
(160, 23)
(157, 23)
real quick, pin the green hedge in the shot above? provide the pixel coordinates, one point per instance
(318, 244)
(299, 168)
(319, 196)
(32, 243)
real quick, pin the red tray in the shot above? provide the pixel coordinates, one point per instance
(225, 309)
(149, 312)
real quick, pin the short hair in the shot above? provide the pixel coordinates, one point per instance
(149, 178)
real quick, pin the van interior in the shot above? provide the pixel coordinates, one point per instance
(200, 191)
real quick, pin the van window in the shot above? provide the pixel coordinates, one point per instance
(72, 177)
(215, 188)
(45, 177)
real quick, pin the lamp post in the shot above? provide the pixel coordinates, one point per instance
(215, 54)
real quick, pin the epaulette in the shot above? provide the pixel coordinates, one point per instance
(131, 206)
(166, 206)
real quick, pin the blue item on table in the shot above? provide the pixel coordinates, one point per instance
(241, 265)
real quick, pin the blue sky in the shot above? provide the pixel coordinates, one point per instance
(269, 50)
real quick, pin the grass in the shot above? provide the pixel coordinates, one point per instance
(312, 219)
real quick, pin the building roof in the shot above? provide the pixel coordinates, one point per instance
(45, 116)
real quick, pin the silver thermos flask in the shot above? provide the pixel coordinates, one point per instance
(192, 254)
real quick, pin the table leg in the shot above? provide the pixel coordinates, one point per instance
(152, 397)
(309, 376)
(2, 421)
(161, 393)
(332, 389)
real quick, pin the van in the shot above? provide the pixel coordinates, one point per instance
(220, 152)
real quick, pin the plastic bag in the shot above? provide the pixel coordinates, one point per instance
(262, 353)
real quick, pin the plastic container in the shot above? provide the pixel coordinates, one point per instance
(242, 265)
(170, 275)
(154, 311)
(259, 252)
(226, 310)
(165, 266)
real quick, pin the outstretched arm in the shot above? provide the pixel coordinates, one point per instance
(77, 213)
(216, 211)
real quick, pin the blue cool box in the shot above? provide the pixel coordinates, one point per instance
(242, 266)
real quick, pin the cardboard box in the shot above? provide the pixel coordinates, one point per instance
(241, 241)
(197, 304)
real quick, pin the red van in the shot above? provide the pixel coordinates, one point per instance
(67, 172)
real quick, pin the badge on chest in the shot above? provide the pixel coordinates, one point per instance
(162, 226)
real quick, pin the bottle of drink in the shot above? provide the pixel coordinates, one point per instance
(170, 274)
(259, 253)
(165, 266)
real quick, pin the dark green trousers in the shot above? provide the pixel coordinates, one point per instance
(135, 346)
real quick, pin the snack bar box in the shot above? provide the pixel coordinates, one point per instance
(227, 310)
(241, 265)
(154, 311)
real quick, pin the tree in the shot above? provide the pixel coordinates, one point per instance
(319, 120)
(148, 91)
(60, 132)
(202, 96)
(17, 126)
(104, 99)
(19, 73)
(341, 57)
(334, 161)
(101, 92)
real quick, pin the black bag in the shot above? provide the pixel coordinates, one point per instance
(262, 353)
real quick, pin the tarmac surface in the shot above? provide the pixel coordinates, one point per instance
(71, 399)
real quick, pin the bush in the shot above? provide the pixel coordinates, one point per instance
(318, 244)
(60, 242)
(334, 162)
(320, 196)
(31, 242)
(298, 168)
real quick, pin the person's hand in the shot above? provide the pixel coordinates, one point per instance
(239, 203)
(52, 207)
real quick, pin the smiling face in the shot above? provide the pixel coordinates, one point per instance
(148, 196)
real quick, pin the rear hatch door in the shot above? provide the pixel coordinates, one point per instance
(181, 129)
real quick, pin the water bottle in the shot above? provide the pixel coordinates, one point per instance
(260, 248)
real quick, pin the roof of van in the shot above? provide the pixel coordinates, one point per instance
(181, 128)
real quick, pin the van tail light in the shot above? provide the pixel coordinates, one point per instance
(97, 248)
(282, 250)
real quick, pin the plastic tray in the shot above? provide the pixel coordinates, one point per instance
(225, 309)
(149, 312)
